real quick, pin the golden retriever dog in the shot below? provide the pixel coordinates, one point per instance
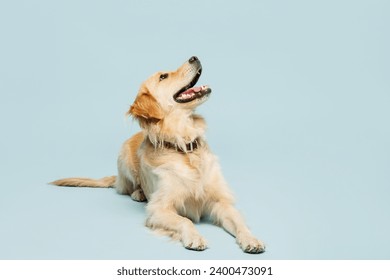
(170, 165)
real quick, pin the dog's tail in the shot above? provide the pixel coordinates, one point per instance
(106, 182)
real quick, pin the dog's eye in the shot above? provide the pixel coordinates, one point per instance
(163, 76)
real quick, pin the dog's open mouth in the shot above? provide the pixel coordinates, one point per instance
(190, 92)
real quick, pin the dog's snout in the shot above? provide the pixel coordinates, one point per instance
(193, 59)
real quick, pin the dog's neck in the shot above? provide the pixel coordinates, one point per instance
(189, 148)
(180, 130)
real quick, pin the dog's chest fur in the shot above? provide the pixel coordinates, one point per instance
(178, 180)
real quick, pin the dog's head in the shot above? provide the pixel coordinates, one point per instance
(166, 91)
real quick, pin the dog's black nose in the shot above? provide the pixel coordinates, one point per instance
(193, 59)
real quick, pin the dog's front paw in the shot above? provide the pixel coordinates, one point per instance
(195, 242)
(249, 244)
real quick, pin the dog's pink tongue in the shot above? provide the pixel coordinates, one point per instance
(197, 89)
(192, 90)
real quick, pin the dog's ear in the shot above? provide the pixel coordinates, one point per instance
(146, 108)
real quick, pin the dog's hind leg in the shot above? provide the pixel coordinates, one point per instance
(123, 185)
(126, 184)
(138, 194)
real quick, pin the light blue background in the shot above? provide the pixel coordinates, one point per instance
(299, 117)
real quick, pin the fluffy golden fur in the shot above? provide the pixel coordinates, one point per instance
(160, 165)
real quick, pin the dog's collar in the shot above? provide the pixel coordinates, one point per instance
(190, 147)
